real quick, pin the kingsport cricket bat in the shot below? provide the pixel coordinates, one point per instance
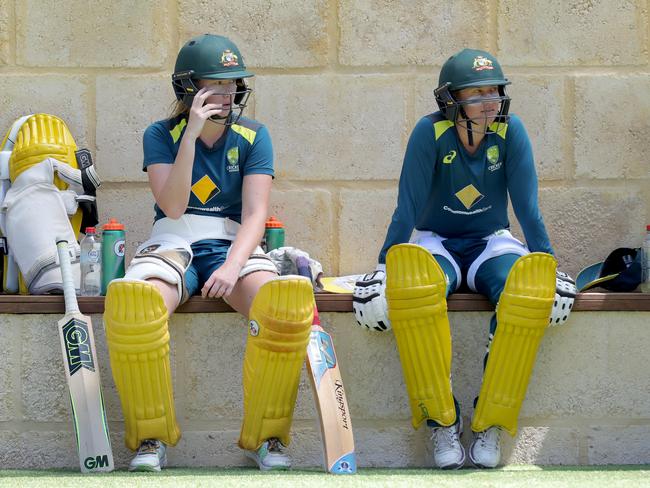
(329, 395)
(82, 373)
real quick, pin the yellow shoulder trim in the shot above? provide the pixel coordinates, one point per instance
(176, 131)
(499, 128)
(245, 132)
(441, 127)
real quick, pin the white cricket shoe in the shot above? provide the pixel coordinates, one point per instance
(151, 456)
(485, 451)
(270, 456)
(448, 452)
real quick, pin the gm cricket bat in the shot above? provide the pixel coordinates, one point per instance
(329, 395)
(82, 373)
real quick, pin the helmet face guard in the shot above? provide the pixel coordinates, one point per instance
(472, 68)
(185, 89)
(212, 57)
(455, 110)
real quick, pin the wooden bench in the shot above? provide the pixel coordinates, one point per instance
(326, 302)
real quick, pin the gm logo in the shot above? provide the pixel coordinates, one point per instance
(96, 462)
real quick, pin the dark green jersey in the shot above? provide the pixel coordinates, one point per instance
(446, 190)
(218, 171)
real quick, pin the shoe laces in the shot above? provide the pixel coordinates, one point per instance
(445, 437)
(149, 446)
(489, 438)
(275, 445)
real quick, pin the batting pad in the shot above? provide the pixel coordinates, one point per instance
(135, 317)
(522, 318)
(417, 308)
(279, 325)
(39, 137)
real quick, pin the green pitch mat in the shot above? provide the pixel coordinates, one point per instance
(511, 476)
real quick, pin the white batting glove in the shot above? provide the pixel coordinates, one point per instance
(369, 301)
(565, 294)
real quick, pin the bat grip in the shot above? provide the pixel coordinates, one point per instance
(303, 267)
(69, 293)
(303, 270)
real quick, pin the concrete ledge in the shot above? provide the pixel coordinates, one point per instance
(326, 302)
(587, 402)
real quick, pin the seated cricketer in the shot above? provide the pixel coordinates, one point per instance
(451, 227)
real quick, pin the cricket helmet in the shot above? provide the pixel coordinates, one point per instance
(211, 57)
(470, 68)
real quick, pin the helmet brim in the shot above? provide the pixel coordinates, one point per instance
(475, 83)
(229, 75)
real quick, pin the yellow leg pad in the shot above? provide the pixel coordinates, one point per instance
(280, 321)
(417, 309)
(522, 318)
(138, 343)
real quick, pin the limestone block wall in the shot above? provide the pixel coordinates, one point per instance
(587, 402)
(340, 84)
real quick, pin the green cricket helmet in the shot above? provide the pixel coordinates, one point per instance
(211, 57)
(470, 68)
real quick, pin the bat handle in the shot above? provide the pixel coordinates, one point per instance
(303, 270)
(303, 267)
(69, 293)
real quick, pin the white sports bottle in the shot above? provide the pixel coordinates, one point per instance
(91, 264)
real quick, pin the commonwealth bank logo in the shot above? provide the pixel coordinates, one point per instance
(205, 189)
(469, 196)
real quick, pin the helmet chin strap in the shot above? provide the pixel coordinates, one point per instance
(468, 127)
(220, 120)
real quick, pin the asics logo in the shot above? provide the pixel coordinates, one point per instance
(449, 157)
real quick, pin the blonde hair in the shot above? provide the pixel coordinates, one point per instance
(178, 108)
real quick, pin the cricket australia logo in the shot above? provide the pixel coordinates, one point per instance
(481, 63)
(229, 58)
(493, 158)
(233, 159)
(77, 346)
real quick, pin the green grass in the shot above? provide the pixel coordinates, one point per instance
(511, 476)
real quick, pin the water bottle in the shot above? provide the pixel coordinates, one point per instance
(112, 252)
(90, 262)
(645, 286)
(274, 234)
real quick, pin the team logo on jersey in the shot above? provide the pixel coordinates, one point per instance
(229, 58)
(205, 189)
(493, 154)
(481, 63)
(449, 157)
(493, 158)
(233, 159)
(469, 196)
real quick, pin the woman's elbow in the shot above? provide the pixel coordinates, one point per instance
(173, 212)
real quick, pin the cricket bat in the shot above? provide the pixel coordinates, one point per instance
(329, 395)
(82, 373)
